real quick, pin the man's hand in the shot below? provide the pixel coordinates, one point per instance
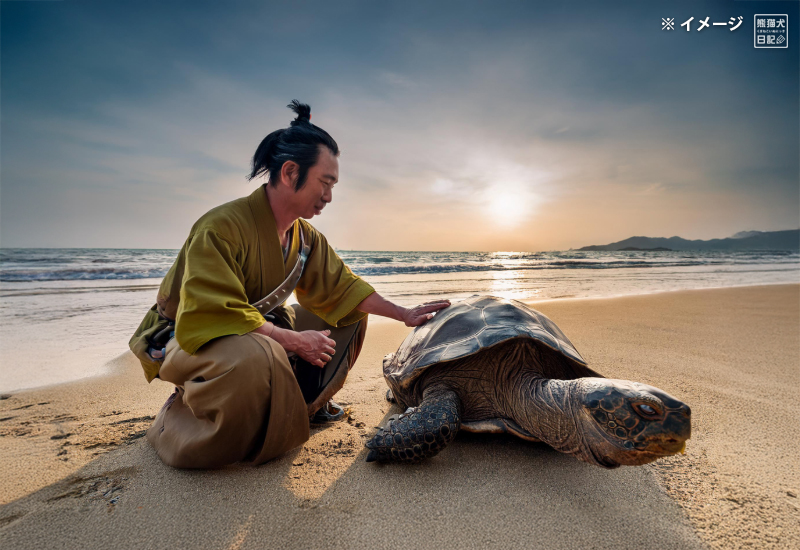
(412, 317)
(314, 346)
(421, 314)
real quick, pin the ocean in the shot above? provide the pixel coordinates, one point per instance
(66, 312)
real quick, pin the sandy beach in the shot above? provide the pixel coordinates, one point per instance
(77, 472)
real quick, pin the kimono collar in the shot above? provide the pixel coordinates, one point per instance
(269, 245)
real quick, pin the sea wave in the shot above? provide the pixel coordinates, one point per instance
(19, 265)
(81, 274)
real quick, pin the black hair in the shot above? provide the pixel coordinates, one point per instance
(299, 143)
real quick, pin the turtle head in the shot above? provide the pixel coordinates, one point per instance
(629, 423)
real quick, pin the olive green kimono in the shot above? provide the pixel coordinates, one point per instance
(236, 396)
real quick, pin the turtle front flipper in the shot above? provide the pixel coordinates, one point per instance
(420, 432)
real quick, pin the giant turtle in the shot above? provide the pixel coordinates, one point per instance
(493, 365)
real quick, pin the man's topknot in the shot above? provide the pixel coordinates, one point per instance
(303, 112)
(299, 143)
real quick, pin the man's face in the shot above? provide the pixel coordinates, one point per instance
(318, 189)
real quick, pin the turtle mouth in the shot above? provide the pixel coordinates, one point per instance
(604, 461)
(668, 446)
(659, 449)
(632, 454)
(640, 456)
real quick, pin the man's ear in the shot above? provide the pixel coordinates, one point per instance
(289, 173)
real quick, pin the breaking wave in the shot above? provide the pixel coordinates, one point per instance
(18, 265)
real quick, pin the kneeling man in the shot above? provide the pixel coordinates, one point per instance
(249, 371)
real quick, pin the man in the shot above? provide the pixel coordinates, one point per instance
(239, 396)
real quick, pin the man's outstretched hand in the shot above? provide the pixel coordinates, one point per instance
(419, 315)
(412, 317)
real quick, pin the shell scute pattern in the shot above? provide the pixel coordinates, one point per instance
(466, 328)
(552, 328)
(510, 317)
(462, 348)
(432, 356)
(487, 337)
(481, 301)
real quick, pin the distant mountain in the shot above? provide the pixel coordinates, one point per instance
(744, 240)
(657, 249)
(745, 234)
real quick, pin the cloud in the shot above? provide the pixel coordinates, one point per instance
(394, 79)
(438, 117)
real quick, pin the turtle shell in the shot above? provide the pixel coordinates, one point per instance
(470, 326)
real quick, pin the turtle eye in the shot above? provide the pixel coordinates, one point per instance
(647, 411)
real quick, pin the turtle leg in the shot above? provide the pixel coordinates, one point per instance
(390, 396)
(420, 432)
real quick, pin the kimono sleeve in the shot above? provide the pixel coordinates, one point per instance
(213, 301)
(328, 288)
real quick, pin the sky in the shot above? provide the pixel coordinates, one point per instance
(502, 125)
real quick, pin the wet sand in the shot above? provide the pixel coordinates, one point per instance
(78, 474)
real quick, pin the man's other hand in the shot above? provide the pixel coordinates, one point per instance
(314, 346)
(421, 314)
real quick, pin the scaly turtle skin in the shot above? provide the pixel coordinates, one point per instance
(492, 365)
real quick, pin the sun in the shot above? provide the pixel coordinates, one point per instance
(507, 208)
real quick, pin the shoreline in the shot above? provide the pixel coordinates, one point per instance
(654, 293)
(376, 320)
(730, 353)
(110, 368)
